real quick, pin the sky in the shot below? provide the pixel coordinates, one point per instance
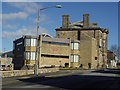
(20, 18)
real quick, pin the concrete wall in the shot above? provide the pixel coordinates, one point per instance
(26, 72)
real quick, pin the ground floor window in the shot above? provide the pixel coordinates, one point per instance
(30, 55)
(27, 55)
(75, 58)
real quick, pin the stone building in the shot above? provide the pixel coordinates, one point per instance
(93, 39)
(6, 63)
(112, 60)
(54, 52)
(80, 44)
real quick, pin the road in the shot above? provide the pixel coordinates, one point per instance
(66, 80)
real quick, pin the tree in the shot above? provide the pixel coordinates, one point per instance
(116, 50)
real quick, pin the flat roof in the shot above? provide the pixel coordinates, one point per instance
(83, 29)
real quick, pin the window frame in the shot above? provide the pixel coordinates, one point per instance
(73, 46)
(75, 58)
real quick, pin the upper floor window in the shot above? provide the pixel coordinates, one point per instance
(27, 42)
(33, 42)
(30, 42)
(100, 42)
(75, 46)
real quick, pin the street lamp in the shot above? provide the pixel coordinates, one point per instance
(38, 47)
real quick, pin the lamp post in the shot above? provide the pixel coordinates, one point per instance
(38, 47)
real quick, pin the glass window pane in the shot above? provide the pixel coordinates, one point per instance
(76, 46)
(32, 42)
(27, 56)
(75, 58)
(100, 42)
(72, 46)
(72, 58)
(32, 55)
(27, 42)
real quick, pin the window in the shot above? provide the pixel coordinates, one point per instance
(75, 46)
(100, 42)
(27, 55)
(32, 56)
(104, 43)
(27, 42)
(33, 42)
(30, 42)
(75, 58)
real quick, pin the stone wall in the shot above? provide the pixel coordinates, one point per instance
(51, 49)
(85, 57)
(94, 54)
(73, 34)
(88, 51)
(26, 72)
(52, 61)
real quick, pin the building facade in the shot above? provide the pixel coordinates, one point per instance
(86, 33)
(6, 63)
(54, 52)
(80, 44)
(112, 60)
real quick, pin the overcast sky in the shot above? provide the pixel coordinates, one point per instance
(20, 18)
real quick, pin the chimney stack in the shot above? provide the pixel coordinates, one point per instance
(65, 21)
(85, 20)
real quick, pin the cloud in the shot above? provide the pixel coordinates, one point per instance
(26, 14)
(9, 27)
(13, 16)
(21, 32)
(28, 7)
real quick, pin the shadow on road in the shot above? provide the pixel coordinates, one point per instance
(76, 81)
(110, 71)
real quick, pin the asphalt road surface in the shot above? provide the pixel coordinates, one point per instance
(74, 79)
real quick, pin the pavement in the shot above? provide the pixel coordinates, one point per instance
(66, 79)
